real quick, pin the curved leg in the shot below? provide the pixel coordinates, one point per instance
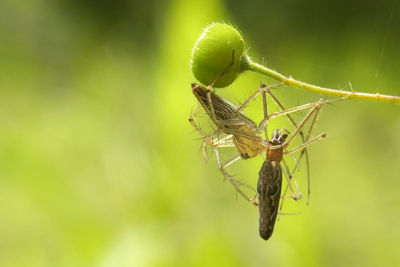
(236, 185)
(209, 139)
(304, 139)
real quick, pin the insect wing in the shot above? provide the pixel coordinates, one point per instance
(245, 137)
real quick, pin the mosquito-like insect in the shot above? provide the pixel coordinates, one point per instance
(240, 131)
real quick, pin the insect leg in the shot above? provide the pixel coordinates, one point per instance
(283, 198)
(235, 184)
(194, 124)
(304, 152)
(261, 90)
(289, 177)
(302, 123)
(306, 144)
(289, 186)
(207, 141)
(304, 139)
(207, 137)
(292, 177)
(224, 141)
(265, 110)
(298, 108)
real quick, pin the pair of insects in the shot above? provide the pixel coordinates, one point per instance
(235, 129)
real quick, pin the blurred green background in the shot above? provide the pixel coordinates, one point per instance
(100, 167)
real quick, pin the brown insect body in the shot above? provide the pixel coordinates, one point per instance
(269, 186)
(244, 131)
(269, 192)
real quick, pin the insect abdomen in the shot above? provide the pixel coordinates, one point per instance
(269, 189)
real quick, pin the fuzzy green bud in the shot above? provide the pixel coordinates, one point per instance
(212, 55)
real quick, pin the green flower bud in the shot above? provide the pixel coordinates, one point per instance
(212, 55)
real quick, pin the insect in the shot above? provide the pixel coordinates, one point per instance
(269, 187)
(235, 129)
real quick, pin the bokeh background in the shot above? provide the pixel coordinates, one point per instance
(100, 167)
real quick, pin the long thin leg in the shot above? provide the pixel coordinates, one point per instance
(300, 126)
(220, 142)
(283, 197)
(224, 141)
(313, 123)
(193, 122)
(262, 89)
(206, 142)
(288, 213)
(306, 144)
(291, 177)
(298, 108)
(302, 147)
(305, 106)
(297, 131)
(287, 142)
(293, 196)
(304, 140)
(304, 152)
(288, 177)
(288, 186)
(301, 134)
(234, 183)
(207, 137)
(231, 160)
(265, 109)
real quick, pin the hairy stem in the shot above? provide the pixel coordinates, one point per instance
(248, 64)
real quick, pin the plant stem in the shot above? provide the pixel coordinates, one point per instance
(248, 64)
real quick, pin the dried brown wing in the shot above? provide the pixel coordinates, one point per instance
(269, 190)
